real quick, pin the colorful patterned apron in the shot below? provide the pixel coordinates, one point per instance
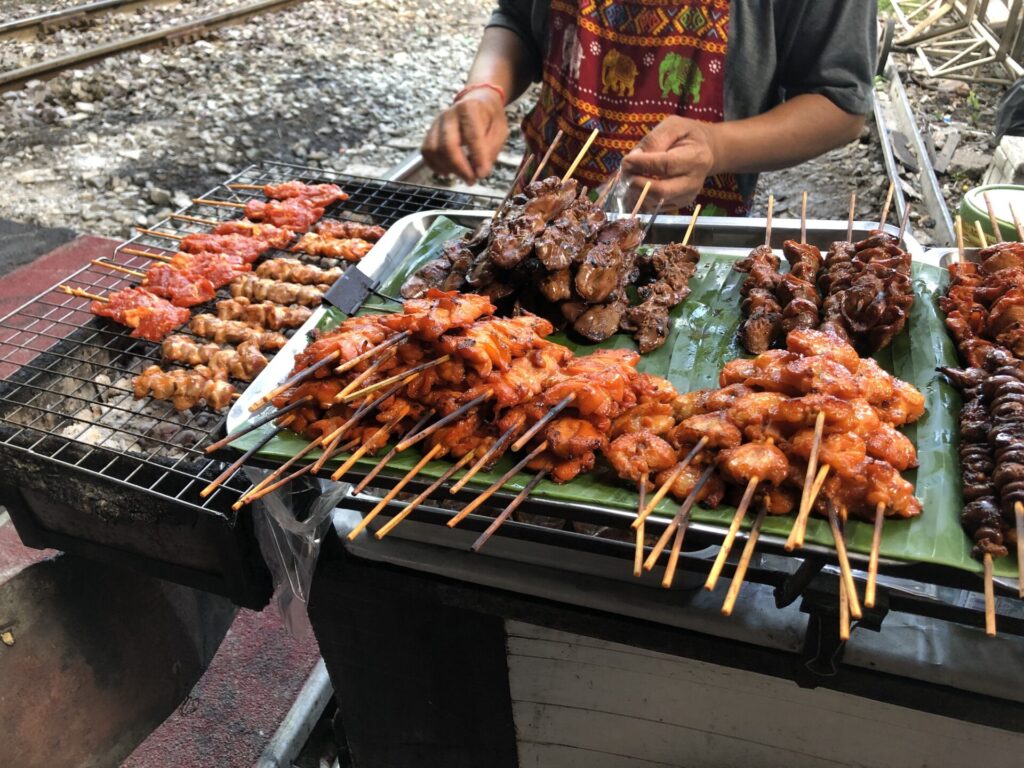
(622, 67)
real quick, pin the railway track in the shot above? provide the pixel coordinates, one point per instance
(169, 35)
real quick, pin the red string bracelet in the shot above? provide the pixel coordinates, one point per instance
(475, 86)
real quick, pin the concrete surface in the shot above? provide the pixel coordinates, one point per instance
(23, 243)
(1007, 166)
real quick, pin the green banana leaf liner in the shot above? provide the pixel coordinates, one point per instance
(702, 339)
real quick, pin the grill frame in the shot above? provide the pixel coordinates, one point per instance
(129, 474)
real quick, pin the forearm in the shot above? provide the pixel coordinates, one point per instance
(501, 60)
(797, 130)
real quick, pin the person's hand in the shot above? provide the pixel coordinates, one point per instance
(676, 157)
(466, 138)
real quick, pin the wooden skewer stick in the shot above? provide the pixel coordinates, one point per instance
(392, 453)
(609, 186)
(221, 203)
(371, 369)
(1018, 513)
(997, 231)
(768, 221)
(196, 219)
(330, 445)
(386, 344)
(819, 481)
(960, 239)
(681, 515)
(412, 505)
(884, 219)
(803, 217)
(1018, 225)
(245, 186)
(730, 536)
(547, 156)
(981, 234)
(990, 598)
(640, 200)
(429, 457)
(543, 421)
(876, 542)
(384, 383)
(290, 382)
(79, 293)
(117, 268)
(370, 444)
(494, 487)
(146, 254)
(257, 424)
(250, 495)
(638, 556)
(408, 442)
(501, 207)
(844, 562)
(158, 233)
(844, 598)
(246, 456)
(849, 219)
(693, 223)
(482, 462)
(673, 555)
(812, 466)
(669, 482)
(904, 222)
(507, 512)
(580, 156)
(741, 567)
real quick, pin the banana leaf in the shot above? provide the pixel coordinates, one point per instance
(702, 339)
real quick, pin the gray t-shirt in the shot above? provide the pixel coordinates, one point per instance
(777, 49)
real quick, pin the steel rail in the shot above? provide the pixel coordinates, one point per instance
(56, 18)
(19, 77)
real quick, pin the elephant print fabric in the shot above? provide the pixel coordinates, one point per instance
(623, 67)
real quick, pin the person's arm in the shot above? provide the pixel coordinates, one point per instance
(679, 154)
(466, 138)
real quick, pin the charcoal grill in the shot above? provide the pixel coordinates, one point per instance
(92, 471)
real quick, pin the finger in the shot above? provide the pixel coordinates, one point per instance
(431, 147)
(451, 143)
(473, 129)
(661, 165)
(677, 192)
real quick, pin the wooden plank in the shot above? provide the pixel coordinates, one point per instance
(597, 696)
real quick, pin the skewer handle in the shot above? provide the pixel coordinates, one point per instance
(844, 563)
(730, 536)
(220, 203)
(990, 597)
(640, 200)
(768, 221)
(849, 219)
(980, 231)
(579, 157)
(803, 217)
(876, 542)
(960, 238)
(993, 220)
(1018, 225)
(1018, 513)
(884, 219)
(692, 224)
(547, 156)
(744, 563)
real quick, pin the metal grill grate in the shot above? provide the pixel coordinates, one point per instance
(66, 375)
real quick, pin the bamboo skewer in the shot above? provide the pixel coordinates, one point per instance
(730, 536)
(819, 481)
(384, 383)
(692, 224)
(158, 233)
(579, 157)
(884, 219)
(250, 495)
(515, 184)
(220, 203)
(253, 494)
(669, 482)
(903, 223)
(494, 487)
(79, 293)
(257, 424)
(844, 562)
(488, 455)
(146, 254)
(993, 220)
(638, 556)
(543, 421)
(609, 186)
(876, 542)
(412, 505)
(392, 453)
(744, 563)
(371, 369)
(681, 518)
(245, 186)
(330, 447)
(117, 268)
(246, 456)
(812, 466)
(981, 234)
(290, 382)
(430, 456)
(849, 219)
(640, 200)
(1018, 514)
(408, 442)
(547, 156)
(990, 597)
(960, 238)
(387, 343)
(1018, 225)
(507, 512)
(844, 613)
(368, 445)
(768, 221)
(803, 217)
(196, 219)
